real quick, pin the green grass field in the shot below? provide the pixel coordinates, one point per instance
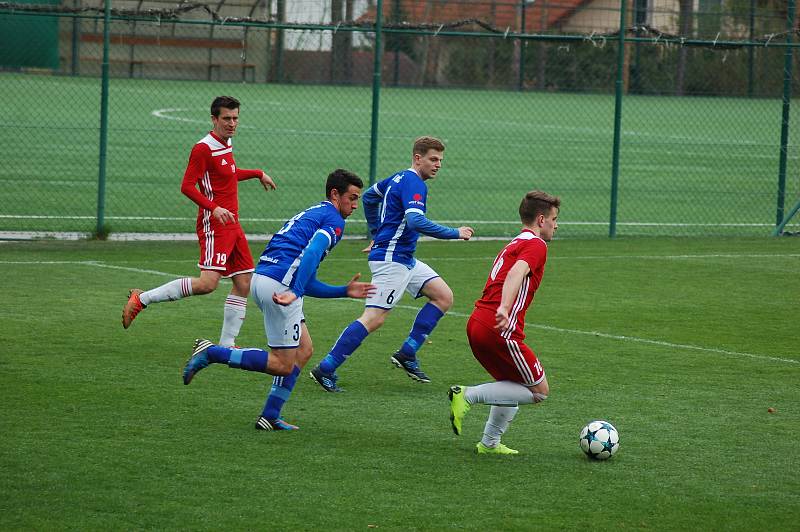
(683, 344)
(688, 166)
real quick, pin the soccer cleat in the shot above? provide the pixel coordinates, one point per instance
(197, 361)
(274, 424)
(410, 365)
(326, 380)
(132, 308)
(499, 449)
(458, 407)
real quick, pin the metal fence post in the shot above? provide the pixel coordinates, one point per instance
(101, 178)
(619, 86)
(376, 91)
(787, 97)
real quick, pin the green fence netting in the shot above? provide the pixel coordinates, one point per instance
(522, 93)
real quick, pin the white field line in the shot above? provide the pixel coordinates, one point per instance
(660, 343)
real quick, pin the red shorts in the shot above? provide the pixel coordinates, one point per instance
(225, 251)
(504, 359)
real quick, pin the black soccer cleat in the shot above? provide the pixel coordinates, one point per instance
(274, 424)
(410, 366)
(326, 380)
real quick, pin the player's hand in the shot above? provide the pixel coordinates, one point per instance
(465, 233)
(359, 290)
(368, 248)
(501, 319)
(267, 182)
(223, 215)
(284, 298)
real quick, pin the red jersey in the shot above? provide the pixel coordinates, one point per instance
(533, 250)
(211, 165)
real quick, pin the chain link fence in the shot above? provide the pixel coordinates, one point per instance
(525, 95)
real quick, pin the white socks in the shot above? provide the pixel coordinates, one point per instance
(496, 425)
(500, 393)
(172, 291)
(233, 316)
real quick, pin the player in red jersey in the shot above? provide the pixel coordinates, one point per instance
(496, 327)
(223, 246)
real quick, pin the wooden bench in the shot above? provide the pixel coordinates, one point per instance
(136, 65)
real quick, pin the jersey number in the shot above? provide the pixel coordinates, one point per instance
(222, 258)
(390, 299)
(288, 225)
(296, 332)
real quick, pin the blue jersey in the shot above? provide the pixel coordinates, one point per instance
(395, 213)
(402, 193)
(284, 252)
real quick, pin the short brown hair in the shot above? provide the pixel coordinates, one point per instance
(423, 144)
(535, 203)
(228, 102)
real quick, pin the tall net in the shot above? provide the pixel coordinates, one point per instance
(522, 93)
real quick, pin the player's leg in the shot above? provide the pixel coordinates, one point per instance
(281, 325)
(349, 340)
(214, 251)
(282, 387)
(235, 309)
(239, 268)
(519, 376)
(139, 299)
(390, 280)
(423, 282)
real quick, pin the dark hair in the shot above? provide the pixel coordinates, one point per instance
(228, 102)
(341, 180)
(535, 203)
(423, 144)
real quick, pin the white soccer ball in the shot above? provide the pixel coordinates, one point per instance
(599, 440)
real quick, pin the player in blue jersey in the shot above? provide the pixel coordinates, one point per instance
(286, 272)
(395, 212)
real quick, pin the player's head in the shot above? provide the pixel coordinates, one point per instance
(225, 116)
(343, 189)
(539, 211)
(427, 156)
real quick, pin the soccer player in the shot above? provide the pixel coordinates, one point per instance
(395, 212)
(223, 245)
(286, 272)
(496, 327)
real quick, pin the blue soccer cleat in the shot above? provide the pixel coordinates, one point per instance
(197, 361)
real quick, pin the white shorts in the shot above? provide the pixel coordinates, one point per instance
(392, 278)
(282, 325)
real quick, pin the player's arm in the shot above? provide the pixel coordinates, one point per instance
(305, 281)
(371, 201)
(266, 181)
(511, 287)
(417, 221)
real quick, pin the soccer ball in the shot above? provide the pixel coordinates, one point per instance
(599, 439)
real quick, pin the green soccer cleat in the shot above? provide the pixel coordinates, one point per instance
(458, 407)
(500, 449)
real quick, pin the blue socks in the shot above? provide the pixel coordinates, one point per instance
(348, 342)
(279, 394)
(246, 359)
(427, 318)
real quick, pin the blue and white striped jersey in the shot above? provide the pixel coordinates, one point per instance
(404, 192)
(285, 250)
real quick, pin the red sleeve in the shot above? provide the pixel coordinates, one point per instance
(242, 174)
(194, 170)
(534, 252)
